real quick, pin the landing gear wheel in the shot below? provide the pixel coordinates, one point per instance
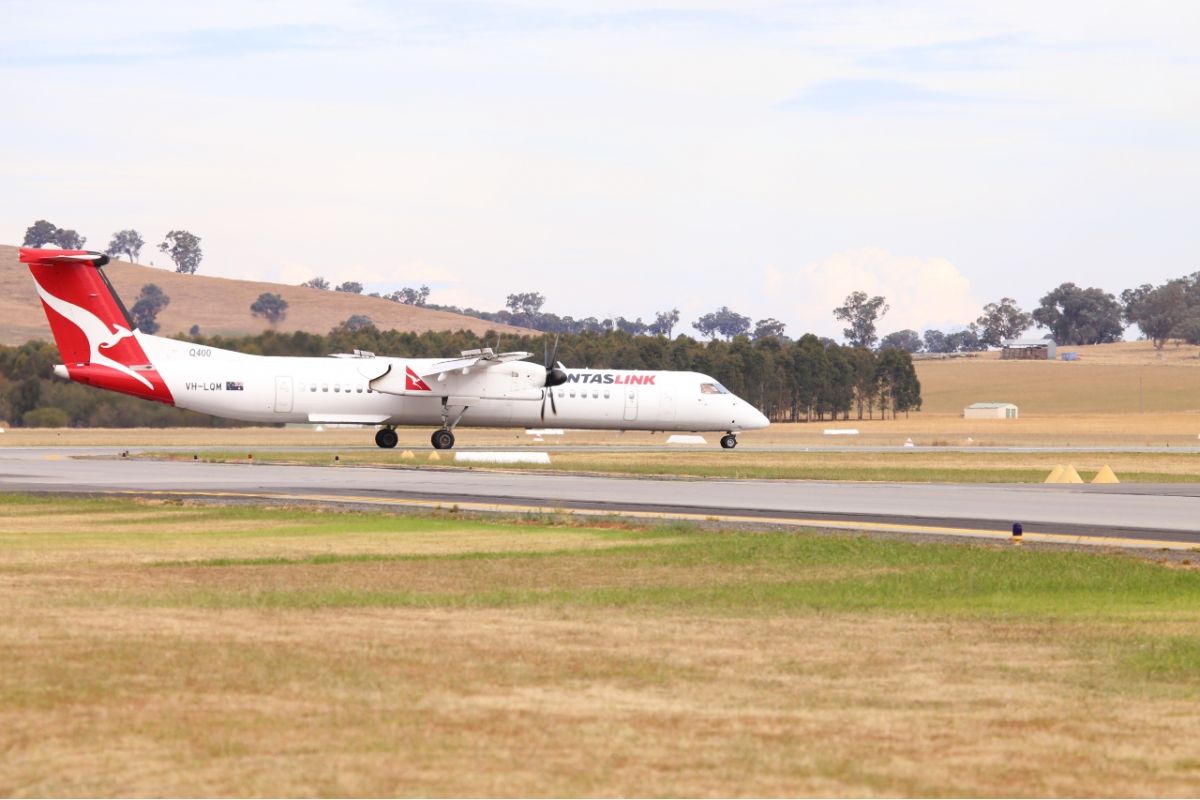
(386, 438)
(442, 440)
(729, 441)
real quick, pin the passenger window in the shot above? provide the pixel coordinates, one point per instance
(359, 390)
(572, 393)
(595, 393)
(337, 388)
(324, 387)
(313, 388)
(607, 394)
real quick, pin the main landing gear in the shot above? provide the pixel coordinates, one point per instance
(729, 441)
(444, 439)
(441, 440)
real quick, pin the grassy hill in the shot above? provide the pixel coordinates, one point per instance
(1121, 378)
(1114, 379)
(221, 305)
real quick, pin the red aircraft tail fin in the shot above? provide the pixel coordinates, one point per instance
(91, 326)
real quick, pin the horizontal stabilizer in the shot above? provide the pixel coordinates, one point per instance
(36, 255)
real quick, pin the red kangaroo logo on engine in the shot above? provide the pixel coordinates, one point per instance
(413, 382)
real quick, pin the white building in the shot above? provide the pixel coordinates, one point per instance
(990, 411)
(1034, 349)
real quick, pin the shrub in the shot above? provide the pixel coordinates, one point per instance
(47, 417)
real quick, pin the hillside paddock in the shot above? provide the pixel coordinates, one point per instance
(220, 306)
(1121, 379)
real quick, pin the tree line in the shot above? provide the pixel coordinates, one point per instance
(182, 247)
(808, 379)
(1071, 314)
(30, 396)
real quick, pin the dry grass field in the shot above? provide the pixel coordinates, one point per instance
(220, 306)
(1127, 378)
(918, 466)
(167, 649)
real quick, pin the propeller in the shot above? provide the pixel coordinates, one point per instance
(555, 376)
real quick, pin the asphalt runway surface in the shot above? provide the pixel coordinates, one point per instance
(1124, 515)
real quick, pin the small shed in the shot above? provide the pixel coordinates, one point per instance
(1034, 349)
(990, 411)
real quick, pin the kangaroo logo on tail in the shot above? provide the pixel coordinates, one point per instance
(95, 329)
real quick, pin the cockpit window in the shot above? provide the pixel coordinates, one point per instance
(713, 388)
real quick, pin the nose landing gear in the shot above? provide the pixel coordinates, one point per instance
(442, 440)
(729, 441)
(386, 437)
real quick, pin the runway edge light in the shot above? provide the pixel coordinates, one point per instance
(1018, 531)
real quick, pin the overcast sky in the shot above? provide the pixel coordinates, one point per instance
(623, 157)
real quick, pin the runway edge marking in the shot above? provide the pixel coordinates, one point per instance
(679, 516)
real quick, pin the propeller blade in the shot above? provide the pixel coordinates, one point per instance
(553, 407)
(555, 376)
(544, 404)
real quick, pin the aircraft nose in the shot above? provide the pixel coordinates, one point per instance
(750, 418)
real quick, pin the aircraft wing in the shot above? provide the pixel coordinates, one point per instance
(467, 363)
(468, 379)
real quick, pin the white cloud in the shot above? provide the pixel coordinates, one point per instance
(922, 292)
(620, 160)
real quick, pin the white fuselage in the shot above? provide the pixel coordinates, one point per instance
(366, 390)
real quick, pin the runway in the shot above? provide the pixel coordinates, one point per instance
(1127, 515)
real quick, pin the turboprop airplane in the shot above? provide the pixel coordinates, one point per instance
(100, 346)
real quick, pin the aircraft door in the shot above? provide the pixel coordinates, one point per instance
(630, 403)
(283, 394)
(666, 406)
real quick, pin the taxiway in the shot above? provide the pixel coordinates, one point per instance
(1130, 515)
